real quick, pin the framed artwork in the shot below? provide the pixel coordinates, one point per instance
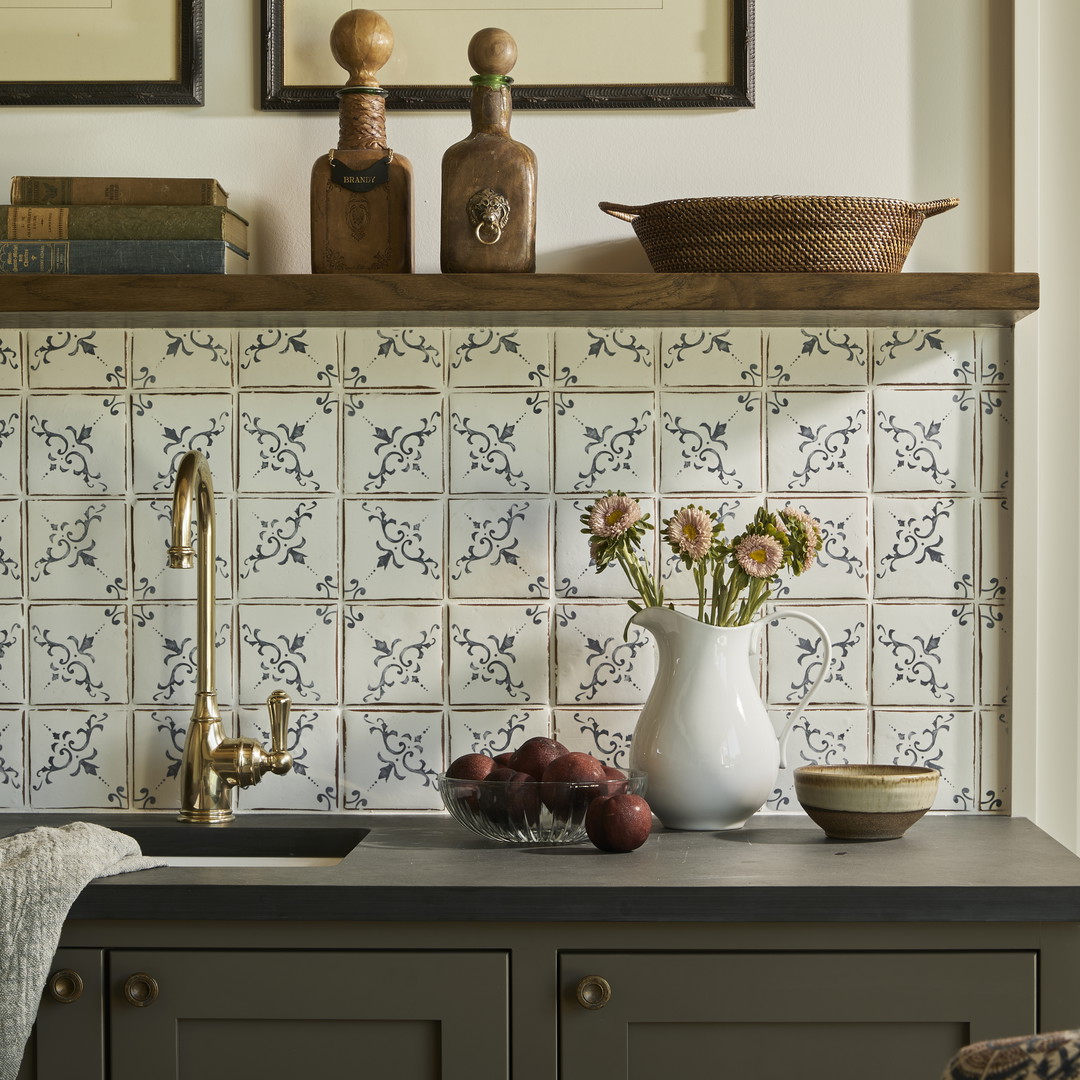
(594, 54)
(101, 52)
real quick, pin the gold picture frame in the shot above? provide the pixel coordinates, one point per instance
(295, 35)
(84, 62)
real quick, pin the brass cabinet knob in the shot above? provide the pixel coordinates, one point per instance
(593, 992)
(65, 986)
(140, 990)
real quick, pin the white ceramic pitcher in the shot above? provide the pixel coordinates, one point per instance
(704, 736)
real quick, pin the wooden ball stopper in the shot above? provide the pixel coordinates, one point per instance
(492, 52)
(361, 42)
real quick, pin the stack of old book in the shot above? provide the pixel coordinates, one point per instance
(120, 225)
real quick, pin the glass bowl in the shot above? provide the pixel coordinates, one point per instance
(529, 813)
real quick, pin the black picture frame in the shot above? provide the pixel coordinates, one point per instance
(738, 94)
(186, 89)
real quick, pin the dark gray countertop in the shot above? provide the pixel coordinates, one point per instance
(776, 869)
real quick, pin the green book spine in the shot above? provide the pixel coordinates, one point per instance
(109, 190)
(126, 223)
(120, 257)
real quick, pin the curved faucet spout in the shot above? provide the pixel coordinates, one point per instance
(193, 495)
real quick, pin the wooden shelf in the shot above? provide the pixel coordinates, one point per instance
(523, 299)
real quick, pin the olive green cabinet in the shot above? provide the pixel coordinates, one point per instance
(775, 1016)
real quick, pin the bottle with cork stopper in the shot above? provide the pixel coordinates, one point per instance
(361, 192)
(488, 179)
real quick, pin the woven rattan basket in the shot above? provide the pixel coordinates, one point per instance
(778, 233)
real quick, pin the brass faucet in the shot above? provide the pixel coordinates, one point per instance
(212, 765)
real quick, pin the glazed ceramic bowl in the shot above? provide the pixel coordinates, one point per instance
(865, 802)
(537, 812)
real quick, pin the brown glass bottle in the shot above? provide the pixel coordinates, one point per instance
(361, 192)
(488, 179)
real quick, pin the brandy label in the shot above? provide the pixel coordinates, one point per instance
(360, 179)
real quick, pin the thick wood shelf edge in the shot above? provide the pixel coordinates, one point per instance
(984, 299)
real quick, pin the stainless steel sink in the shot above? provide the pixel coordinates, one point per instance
(238, 844)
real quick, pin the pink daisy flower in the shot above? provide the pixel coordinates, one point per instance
(690, 531)
(612, 515)
(759, 556)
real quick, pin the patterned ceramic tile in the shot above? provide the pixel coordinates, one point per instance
(995, 761)
(288, 443)
(924, 440)
(289, 547)
(11, 565)
(817, 441)
(166, 426)
(12, 760)
(498, 548)
(604, 442)
(493, 731)
(995, 355)
(499, 443)
(11, 457)
(312, 782)
(923, 654)
(498, 654)
(12, 654)
(710, 442)
(714, 357)
(71, 445)
(995, 549)
(818, 737)
(391, 759)
(393, 443)
(164, 651)
(941, 355)
(11, 360)
(154, 578)
(604, 733)
(407, 358)
(157, 746)
(924, 548)
(78, 758)
(796, 652)
(78, 654)
(79, 550)
(76, 359)
(587, 356)
(996, 444)
(595, 664)
(995, 655)
(394, 549)
(393, 655)
(840, 570)
(175, 359)
(292, 647)
(936, 739)
(296, 356)
(816, 356)
(500, 356)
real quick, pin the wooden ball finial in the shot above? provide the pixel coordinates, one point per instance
(492, 52)
(361, 42)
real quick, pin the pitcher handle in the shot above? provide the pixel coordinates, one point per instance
(825, 664)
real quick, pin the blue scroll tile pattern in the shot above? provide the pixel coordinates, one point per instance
(399, 545)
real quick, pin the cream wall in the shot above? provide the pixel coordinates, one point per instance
(904, 98)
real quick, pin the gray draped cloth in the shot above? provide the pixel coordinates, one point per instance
(42, 871)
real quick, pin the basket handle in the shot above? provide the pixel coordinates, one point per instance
(624, 213)
(938, 206)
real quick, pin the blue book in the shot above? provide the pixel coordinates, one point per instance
(121, 257)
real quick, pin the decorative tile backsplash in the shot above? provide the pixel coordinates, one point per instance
(399, 545)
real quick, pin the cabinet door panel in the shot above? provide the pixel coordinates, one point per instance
(820, 1016)
(285, 1014)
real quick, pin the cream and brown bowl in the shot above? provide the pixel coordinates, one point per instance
(865, 802)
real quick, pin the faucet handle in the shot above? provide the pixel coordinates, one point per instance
(278, 705)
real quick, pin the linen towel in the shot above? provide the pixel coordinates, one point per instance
(42, 871)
